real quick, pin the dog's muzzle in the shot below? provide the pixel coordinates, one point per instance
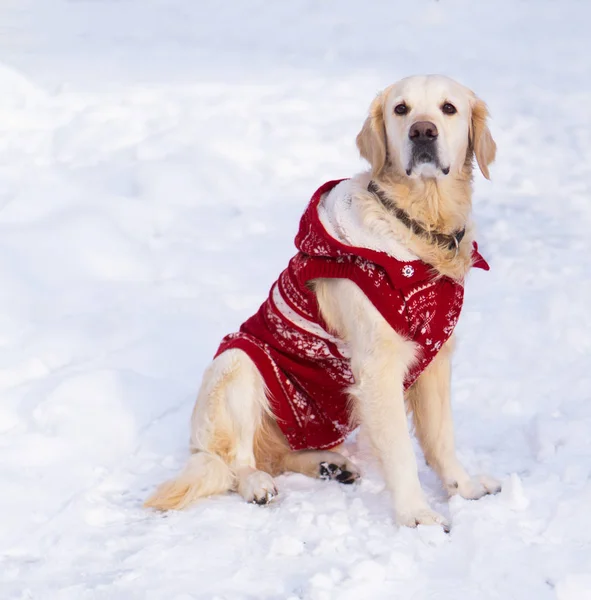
(423, 136)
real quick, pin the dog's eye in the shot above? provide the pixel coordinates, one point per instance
(448, 109)
(401, 109)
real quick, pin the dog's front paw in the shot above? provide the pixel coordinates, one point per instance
(422, 516)
(257, 487)
(475, 487)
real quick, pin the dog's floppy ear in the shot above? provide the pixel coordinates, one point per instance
(371, 140)
(481, 139)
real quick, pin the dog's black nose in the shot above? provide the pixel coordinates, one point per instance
(423, 131)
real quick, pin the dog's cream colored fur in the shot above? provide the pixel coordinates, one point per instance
(235, 441)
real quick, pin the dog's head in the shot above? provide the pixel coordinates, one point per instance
(425, 127)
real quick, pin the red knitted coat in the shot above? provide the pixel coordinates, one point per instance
(306, 369)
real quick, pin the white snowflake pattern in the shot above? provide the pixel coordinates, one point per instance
(366, 266)
(451, 326)
(342, 428)
(429, 316)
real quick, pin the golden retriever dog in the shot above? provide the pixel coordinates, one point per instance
(412, 208)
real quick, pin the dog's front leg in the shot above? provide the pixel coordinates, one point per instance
(430, 401)
(379, 360)
(379, 372)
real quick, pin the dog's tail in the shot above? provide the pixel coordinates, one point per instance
(205, 475)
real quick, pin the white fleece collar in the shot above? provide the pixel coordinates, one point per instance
(342, 218)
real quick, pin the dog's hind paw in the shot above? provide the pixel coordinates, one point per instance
(345, 473)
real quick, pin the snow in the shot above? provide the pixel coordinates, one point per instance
(155, 157)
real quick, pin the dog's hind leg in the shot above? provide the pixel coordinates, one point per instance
(274, 455)
(227, 413)
(322, 464)
(246, 404)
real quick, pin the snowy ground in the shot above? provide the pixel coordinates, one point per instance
(155, 157)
